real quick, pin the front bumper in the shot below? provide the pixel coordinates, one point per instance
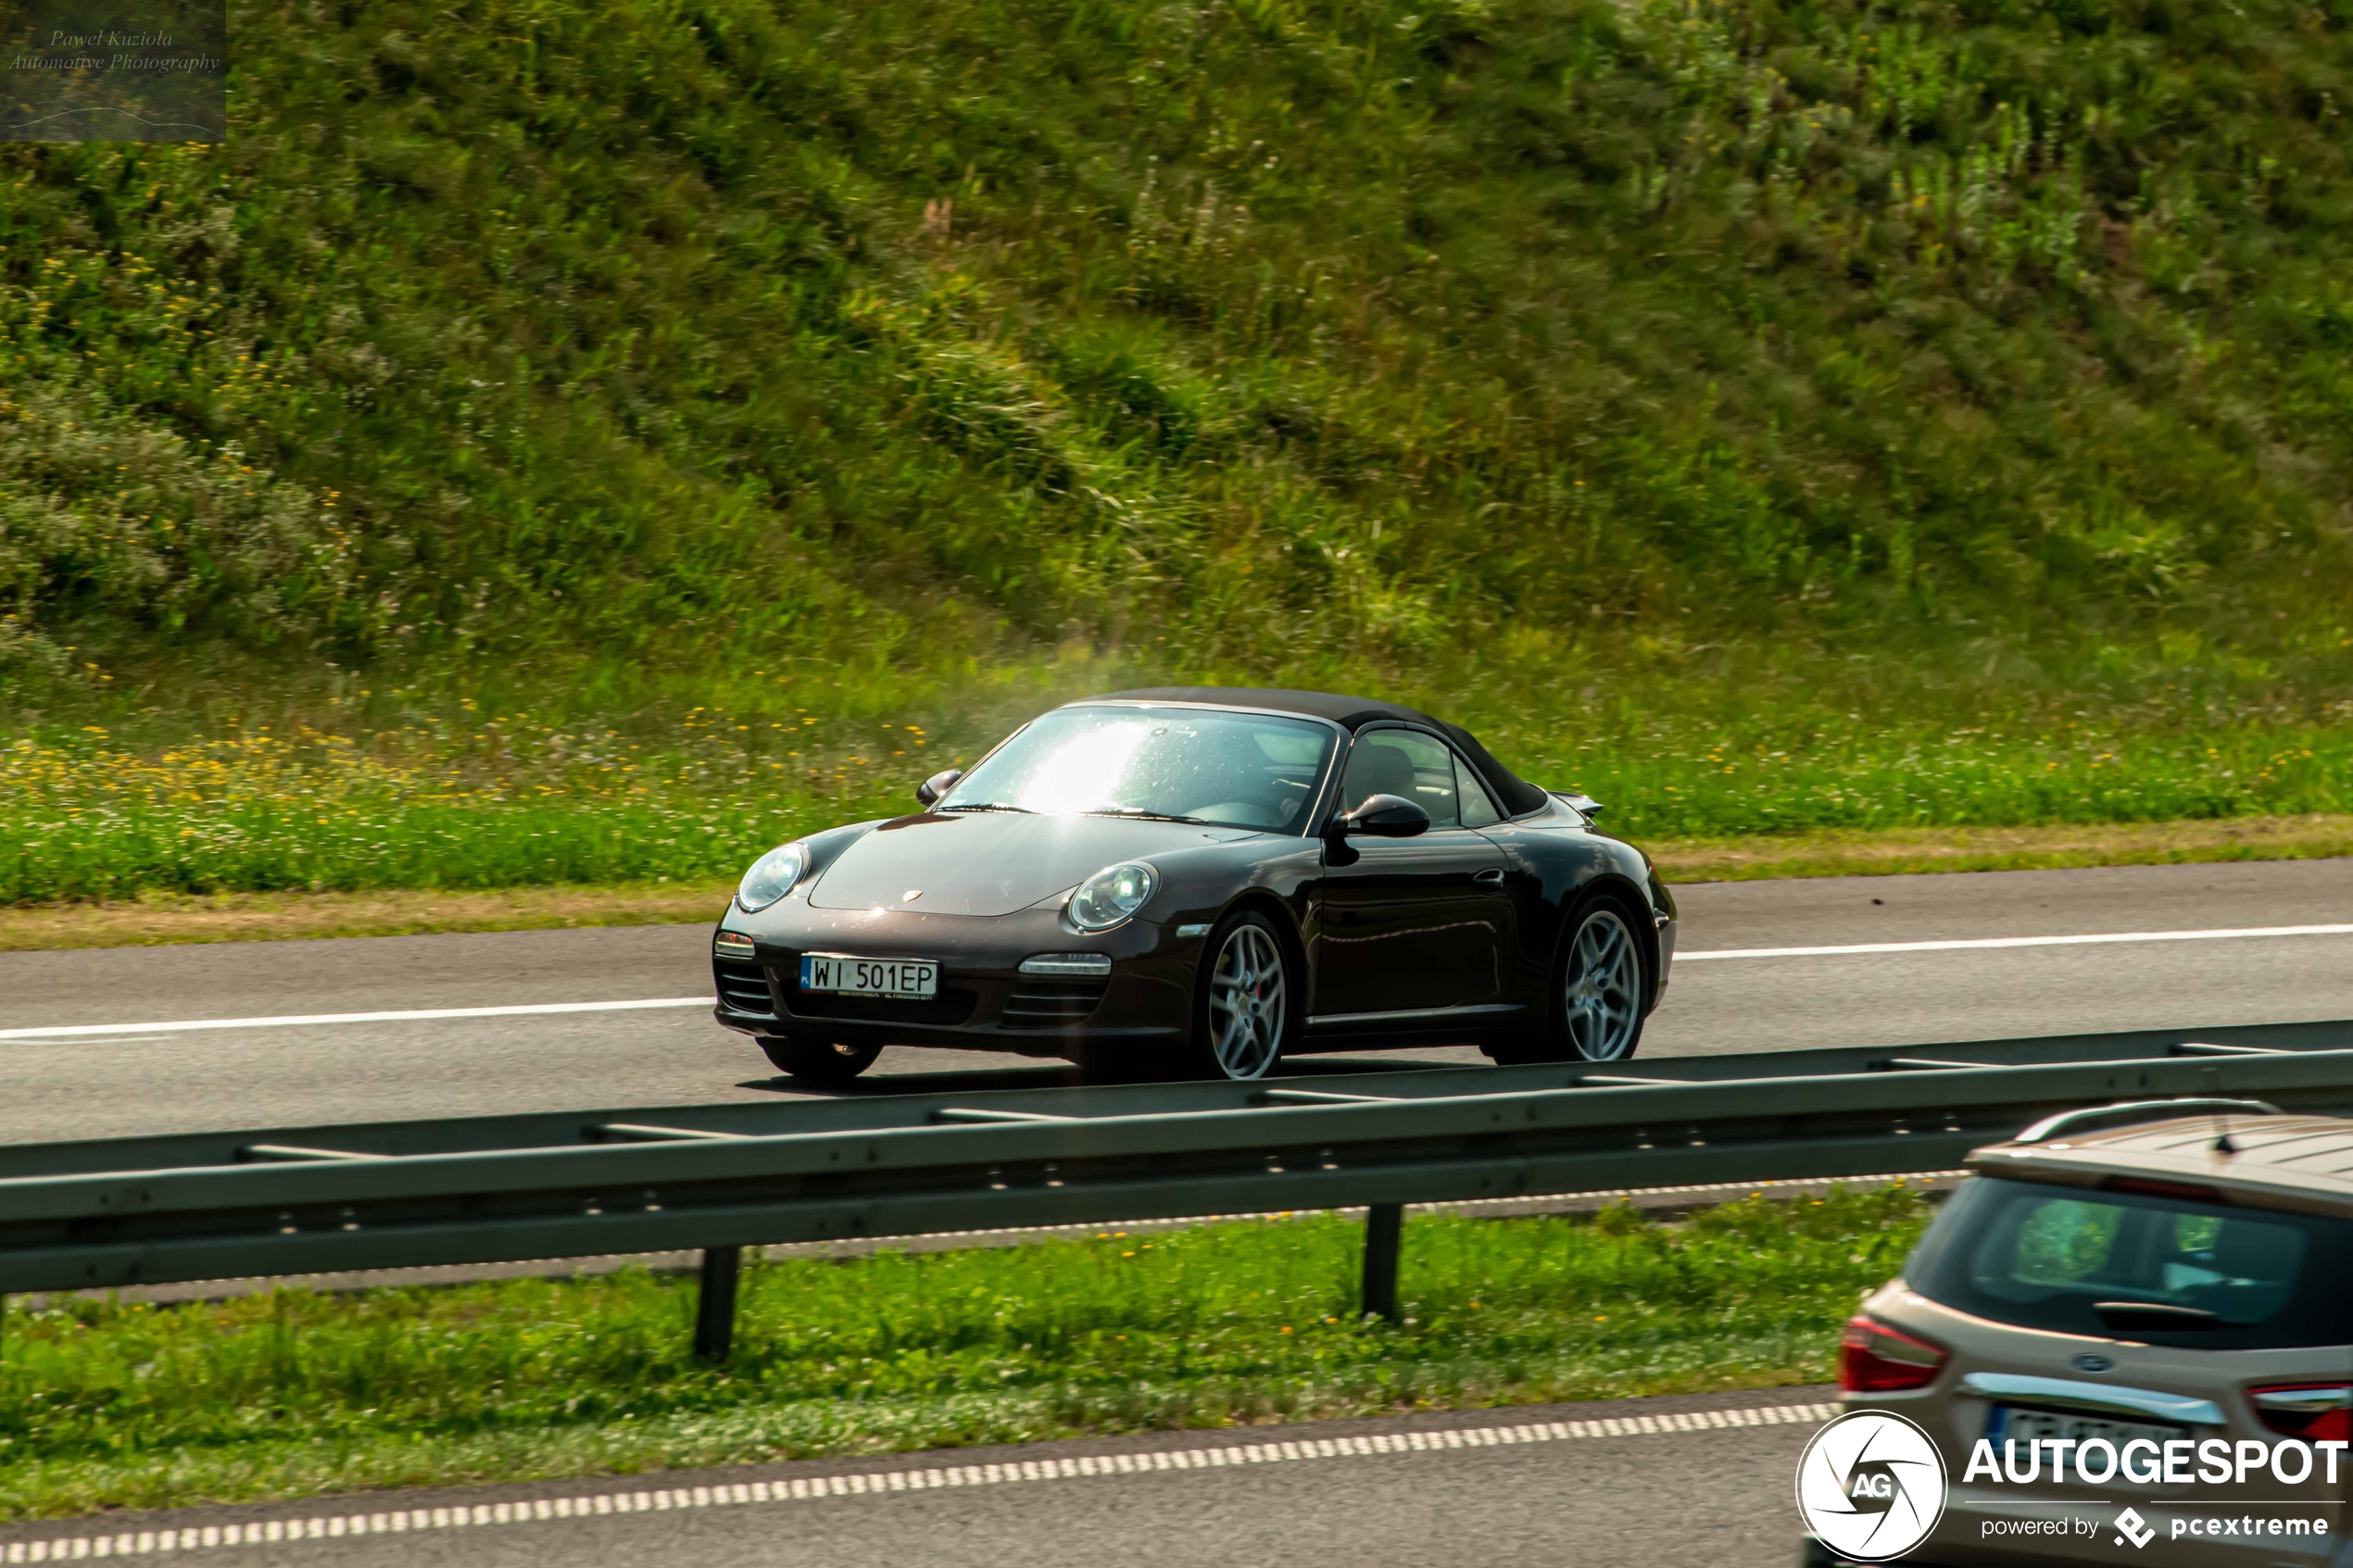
(1663, 913)
(985, 1003)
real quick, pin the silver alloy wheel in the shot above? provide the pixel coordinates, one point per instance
(1247, 996)
(1603, 994)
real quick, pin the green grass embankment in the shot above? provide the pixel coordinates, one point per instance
(645, 357)
(1892, 415)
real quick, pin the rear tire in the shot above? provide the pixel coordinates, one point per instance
(824, 1064)
(1601, 984)
(1245, 1004)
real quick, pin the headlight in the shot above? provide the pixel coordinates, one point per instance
(770, 877)
(1112, 894)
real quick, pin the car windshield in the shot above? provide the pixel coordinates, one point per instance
(1204, 765)
(2082, 1261)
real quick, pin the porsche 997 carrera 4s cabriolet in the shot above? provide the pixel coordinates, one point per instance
(1205, 881)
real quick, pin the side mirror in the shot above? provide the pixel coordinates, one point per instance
(929, 792)
(1383, 816)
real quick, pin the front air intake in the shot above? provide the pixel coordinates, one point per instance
(743, 987)
(1052, 1004)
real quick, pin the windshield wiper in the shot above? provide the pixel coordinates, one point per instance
(987, 805)
(1139, 814)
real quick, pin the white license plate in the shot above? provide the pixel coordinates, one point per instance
(905, 978)
(2024, 1426)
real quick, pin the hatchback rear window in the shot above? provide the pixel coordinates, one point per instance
(2129, 1266)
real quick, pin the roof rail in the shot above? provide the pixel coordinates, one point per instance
(2143, 1109)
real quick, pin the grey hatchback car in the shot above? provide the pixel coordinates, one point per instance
(2131, 1274)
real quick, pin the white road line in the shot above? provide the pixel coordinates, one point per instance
(123, 1039)
(306, 1019)
(256, 1532)
(2097, 940)
(299, 1020)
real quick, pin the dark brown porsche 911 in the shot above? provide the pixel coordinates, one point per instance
(1202, 881)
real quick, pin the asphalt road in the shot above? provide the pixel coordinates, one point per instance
(1672, 1480)
(65, 1086)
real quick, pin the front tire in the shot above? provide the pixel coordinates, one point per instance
(1244, 1011)
(823, 1064)
(1599, 988)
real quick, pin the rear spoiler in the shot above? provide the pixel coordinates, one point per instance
(1584, 805)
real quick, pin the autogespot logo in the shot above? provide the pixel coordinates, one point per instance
(1870, 1485)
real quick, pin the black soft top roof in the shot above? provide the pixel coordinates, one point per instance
(1351, 713)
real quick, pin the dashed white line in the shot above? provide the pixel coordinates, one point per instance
(257, 1532)
(299, 1020)
(2096, 939)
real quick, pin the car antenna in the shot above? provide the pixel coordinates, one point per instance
(2222, 1144)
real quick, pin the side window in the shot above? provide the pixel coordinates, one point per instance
(1477, 809)
(1401, 762)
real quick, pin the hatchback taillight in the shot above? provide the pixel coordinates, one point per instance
(1875, 1359)
(2316, 1412)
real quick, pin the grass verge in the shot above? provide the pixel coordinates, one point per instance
(1895, 851)
(108, 1405)
(509, 802)
(281, 917)
(156, 918)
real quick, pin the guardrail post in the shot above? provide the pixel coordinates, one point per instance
(1384, 1228)
(715, 1302)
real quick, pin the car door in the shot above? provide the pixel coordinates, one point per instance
(1409, 924)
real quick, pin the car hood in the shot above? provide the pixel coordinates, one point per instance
(990, 862)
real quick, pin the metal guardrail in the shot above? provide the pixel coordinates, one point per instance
(719, 1177)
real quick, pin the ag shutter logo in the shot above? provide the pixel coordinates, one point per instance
(1870, 1485)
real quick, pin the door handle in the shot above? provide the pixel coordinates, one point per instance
(1491, 877)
